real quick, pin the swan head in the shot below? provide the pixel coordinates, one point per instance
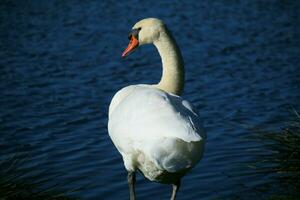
(146, 31)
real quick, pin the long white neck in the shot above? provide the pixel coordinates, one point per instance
(172, 80)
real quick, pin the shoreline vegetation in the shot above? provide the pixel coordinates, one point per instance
(281, 159)
(14, 186)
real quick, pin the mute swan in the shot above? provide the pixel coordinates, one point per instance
(155, 130)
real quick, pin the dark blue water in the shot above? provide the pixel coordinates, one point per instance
(60, 65)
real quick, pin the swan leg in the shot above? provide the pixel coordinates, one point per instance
(176, 187)
(131, 183)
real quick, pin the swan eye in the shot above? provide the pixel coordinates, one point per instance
(135, 33)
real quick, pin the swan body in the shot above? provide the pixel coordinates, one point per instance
(160, 133)
(156, 131)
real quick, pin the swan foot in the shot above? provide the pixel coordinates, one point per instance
(176, 187)
(131, 183)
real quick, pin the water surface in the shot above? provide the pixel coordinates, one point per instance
(60, 65)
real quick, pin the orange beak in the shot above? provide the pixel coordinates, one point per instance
(134, 43)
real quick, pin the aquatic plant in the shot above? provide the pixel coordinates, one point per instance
(14, 186)
(281, 159)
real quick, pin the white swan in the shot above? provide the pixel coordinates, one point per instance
(156, 131)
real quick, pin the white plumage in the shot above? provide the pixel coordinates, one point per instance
(151, 127)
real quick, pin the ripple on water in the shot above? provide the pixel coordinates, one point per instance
(61, 65)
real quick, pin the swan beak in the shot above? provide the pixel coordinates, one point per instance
(134, 43)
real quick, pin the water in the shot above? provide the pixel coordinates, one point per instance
(60, 65)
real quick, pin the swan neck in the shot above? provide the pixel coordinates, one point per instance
(172, 80)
